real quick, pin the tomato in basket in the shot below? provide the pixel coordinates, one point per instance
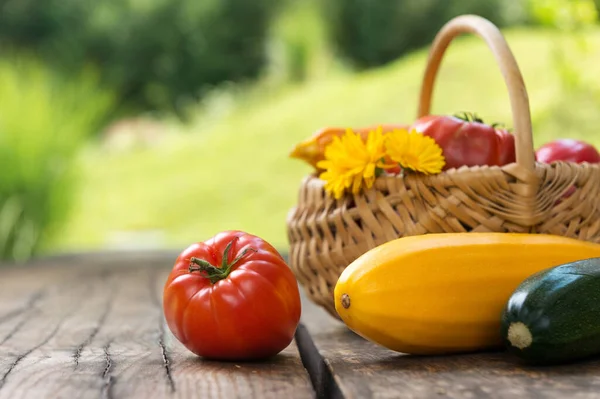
(569, 150)
(232, 297)
(467, 141)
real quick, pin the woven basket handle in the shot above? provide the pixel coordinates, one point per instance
(519, 100)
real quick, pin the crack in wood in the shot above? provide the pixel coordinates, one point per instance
(109, 379)
(18, 327)
(161, 339)
(31, 302)
(23, 355)
(107, 308)
(166, 363)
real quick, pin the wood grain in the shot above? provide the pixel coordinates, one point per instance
(92, 327)
(352, 367)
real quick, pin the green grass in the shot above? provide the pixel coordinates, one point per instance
(44, 121)
(232, 171)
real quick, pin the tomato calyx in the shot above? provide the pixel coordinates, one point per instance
(473, 117)
(212, 272)
(468, 117)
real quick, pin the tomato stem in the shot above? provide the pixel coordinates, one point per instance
(212, 272)
(473, 117)
(469, 117)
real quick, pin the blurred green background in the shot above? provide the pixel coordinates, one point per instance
(132, 124)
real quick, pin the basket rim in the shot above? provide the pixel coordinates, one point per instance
(479, 168)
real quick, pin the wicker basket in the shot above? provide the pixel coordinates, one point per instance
(326, 235)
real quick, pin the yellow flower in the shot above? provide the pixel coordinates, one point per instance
(351, 162)
(415, 151)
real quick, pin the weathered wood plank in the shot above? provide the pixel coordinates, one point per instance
(93, 328)
(352, 367)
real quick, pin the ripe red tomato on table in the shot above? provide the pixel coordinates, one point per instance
(232, 297)
(468, 140)
(569, 150)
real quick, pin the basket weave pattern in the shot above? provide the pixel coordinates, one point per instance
(326, 235)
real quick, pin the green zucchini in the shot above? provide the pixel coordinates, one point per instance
(554, 315)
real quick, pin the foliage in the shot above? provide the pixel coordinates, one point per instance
(563, 14)
(234, 172)
(157, 54)
(370, 33)
(299, 46)
(575, 20)
(43, 122)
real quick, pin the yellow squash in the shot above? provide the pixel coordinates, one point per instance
(444, 293)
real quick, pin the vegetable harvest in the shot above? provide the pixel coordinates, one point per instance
(465, 140)
(232, 297)
(444, 293)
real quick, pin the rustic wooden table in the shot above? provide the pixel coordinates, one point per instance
(92, 327)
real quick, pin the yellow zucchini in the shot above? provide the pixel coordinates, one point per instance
(445, 293)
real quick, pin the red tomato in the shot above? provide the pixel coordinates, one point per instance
(468, 141)
(232, 297)
(569, 150)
